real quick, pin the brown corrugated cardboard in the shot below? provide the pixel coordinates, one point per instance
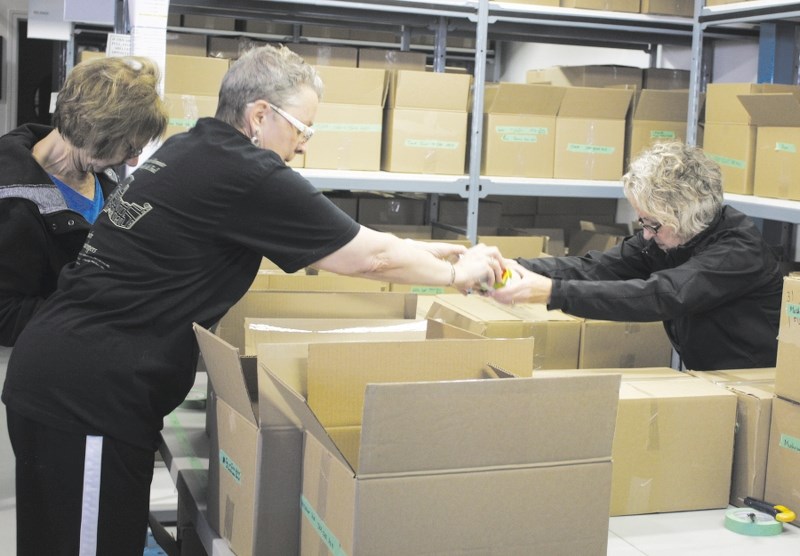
(777, 161)
(682, 8)
(184, 111)
(287, 331)
(660, 116)
(394, 210)
(325, 55)
(328, 282)
(193, 75)
(738, 376)
(557, 335)
(186, 44)
(429, 483)
(590, 133)
(605, 5)
(519, 129)
(426, 133)
(527, 246)
(453, 211)
(255, 470)
(733, 147)
(349, 120)
(624, 344)
(673, 446)
(381, 58)
(783, 481)
(787, 378)
(722, 100)
(665, 78)
(587, 76)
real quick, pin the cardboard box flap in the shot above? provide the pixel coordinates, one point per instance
(353, 85)
(475, 307)
(522, 98)
(773, 109)
(429, 90)
(657, 105)
(225, 372)
(339, 373)
(595, 103)
(485, 423)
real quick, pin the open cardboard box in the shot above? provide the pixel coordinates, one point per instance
(438, 456)
(256, 460)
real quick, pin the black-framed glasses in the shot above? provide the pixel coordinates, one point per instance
(133, 152)
(652, 228)
(305, 131)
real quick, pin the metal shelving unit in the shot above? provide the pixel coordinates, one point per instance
(500, 21)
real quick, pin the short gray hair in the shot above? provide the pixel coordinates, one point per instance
(678, 185)
(273, 73)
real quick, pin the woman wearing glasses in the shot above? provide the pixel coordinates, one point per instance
(180, 241)
(55, 180)
(697, 265)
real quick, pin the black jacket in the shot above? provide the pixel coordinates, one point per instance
(38, 233)
(719, 295)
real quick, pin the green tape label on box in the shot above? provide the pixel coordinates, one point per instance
(427, 290)
(521, 130)
(662, 134)
(322, 530)
(431, 144)
(726, 161)
(793, 311)
(512, 138)
(183, 122)
(348, 128)
(230, 466)
(786, 148)
(589, 149)
(790, 443)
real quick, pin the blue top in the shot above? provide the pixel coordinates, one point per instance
(88, 208)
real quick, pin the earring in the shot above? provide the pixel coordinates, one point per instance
(254, 140)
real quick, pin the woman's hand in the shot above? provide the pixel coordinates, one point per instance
(523, 287)
(481, 265)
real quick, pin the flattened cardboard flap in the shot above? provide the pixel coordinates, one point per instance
(597, 103)
(662, 106)
(225, 371)
(424, 426)
(353, 85)
(773, 109)
(429, 90)
(522, 98)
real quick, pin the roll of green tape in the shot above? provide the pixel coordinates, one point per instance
(747, 521)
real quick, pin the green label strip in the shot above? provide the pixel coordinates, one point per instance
(520, 130)
(790, 443)
(511, 138)
(348, 128)
(662, 134)
(427, 290)
(322, 530)
(230, 466)
(786, 148)
(793, 310)
(589, 149)
(726, 161)
(431, 144)
(183, 122)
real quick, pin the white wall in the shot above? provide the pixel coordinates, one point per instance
(10, 12)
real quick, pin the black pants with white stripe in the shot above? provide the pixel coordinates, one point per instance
(78, 495)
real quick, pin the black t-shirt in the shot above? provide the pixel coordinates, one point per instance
(112, 351)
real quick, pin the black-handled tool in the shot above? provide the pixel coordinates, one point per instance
(780, 513)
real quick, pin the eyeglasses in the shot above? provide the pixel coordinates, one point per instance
(305, 131)
(133, 152)
(652, 228)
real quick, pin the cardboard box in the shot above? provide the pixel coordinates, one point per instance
(271, 331)
(394, 210)
(665, 78)
(787, 379)
(738, 376)
(527, 246)
(231, 47)
(777, 162)
(673, 446)
(185, 110)
(305, 304)
(324, 55)
(453, 212)
(626, 374)
(209, 22)
(590, 133)
(733, 147)
(186, 44)
(557, 334)
(519, 129)
(267, 279)
(605, 5)
(723, 104)
(587, 76)
(624, 344)
(660, 116)
(381, 58)
(681, 8)
(193, 75)
(349, 120)
(783, 481)
(431, 483)
(426, 133)
(255, 465)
